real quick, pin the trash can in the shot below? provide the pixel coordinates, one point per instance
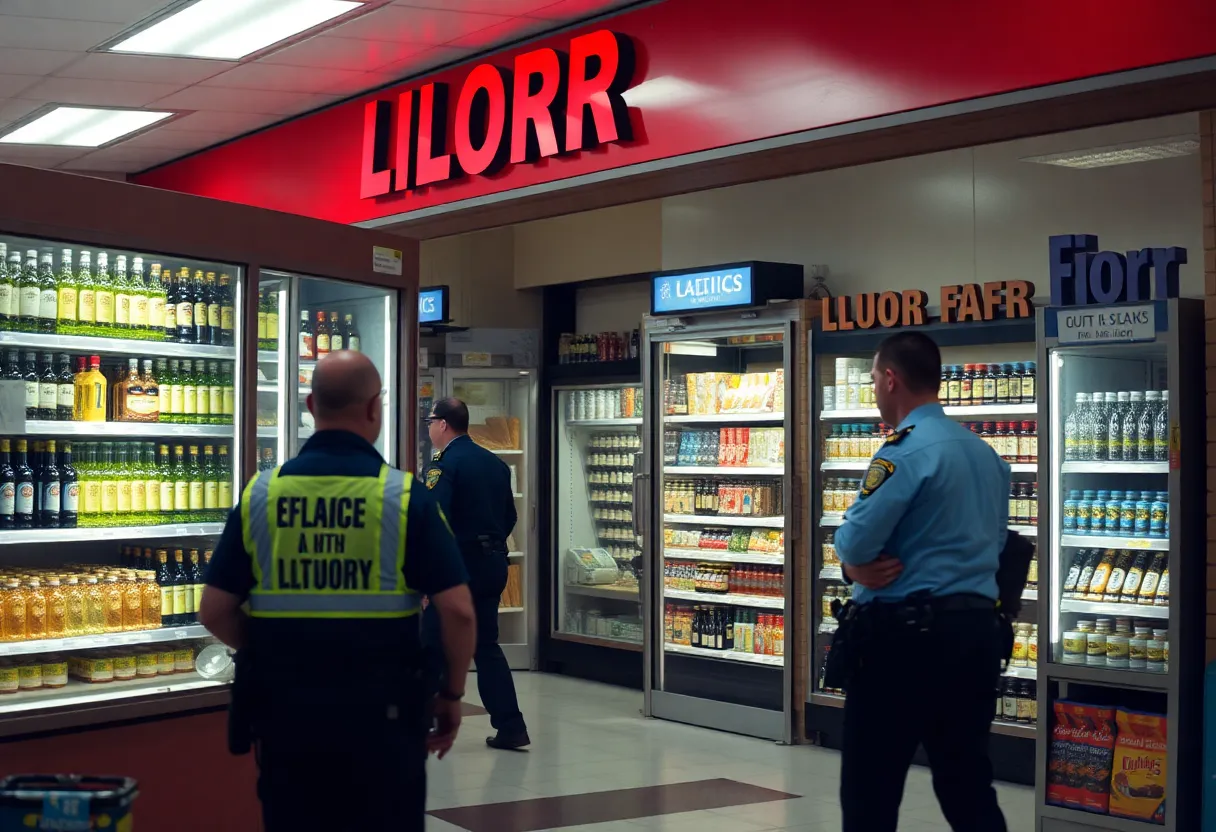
(66, 803)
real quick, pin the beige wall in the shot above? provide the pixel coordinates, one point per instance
(480, 268)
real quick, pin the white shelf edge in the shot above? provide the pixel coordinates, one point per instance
(829, 520)
(268, 357)
(712, 418)
(844, 465)
(761, 471)
(725, 655)
(1152, 544)
(831, 573)
(506, 452)
(79, 693)
(603, 423)
(1029, 531)
(503, 610)
(960, 411)
(1096, 467)
(16, 536)
(732, 599)
(1021, 672)
(762, 558)
(719, 520)
(114, 346)
(1030, 595)
(54, 645)
(1113, 608)
(515, 554)
(42, 427)
(1024, 467)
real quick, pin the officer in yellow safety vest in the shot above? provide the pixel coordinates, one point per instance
(332, 552)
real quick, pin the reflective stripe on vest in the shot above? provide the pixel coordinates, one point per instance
(329, 546)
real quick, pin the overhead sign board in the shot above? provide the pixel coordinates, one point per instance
(701, 291)
(433, 305)
(1106, 325)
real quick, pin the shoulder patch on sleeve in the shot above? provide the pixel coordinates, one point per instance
(880, 471)
(898, 436)
(432, 477)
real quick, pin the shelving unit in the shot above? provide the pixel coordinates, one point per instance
(732, 598)
(55, 645)
(724, 556)
(718, 520)
(724, 655)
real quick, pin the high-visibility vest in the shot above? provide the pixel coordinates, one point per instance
(328, 546)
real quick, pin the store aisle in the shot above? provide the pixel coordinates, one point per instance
(597, 765)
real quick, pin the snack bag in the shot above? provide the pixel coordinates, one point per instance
(1137, 785)
(1079, 758)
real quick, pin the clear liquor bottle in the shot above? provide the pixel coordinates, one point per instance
(66, 307)
(86, 296)
(7, 288)
(139, 299)
(48, 292)
(28, 293)
(156, 303)
(122, 296)
(105, 295)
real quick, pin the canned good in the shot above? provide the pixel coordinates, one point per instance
(183, 660)
(147, 664)
(1095, 649)
(166, 661)
(580, 398)
(124, 667)
(9, 679)
(29, 675)
(54, 673)
(571, 405)
(97, 669)
(1075, 647)
(1117, 650)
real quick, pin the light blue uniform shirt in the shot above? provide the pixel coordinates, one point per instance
(941, 506)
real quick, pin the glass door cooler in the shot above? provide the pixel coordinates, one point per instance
(597, 598)
(723, 524)
(1123, 508)
(430, 387)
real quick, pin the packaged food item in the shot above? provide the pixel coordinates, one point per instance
(183, 660)
(29, 674)
(147, 664)
(96, 669)
(166, 663)
(124, 667)
(1137, 786)
(54, 672)
(1080, 756)
(10, 678)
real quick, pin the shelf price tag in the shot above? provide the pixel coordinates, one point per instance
(180, 634)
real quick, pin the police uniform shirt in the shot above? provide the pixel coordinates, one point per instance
(473, 486)
(936, 497)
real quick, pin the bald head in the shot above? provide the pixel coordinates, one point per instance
(346, 394)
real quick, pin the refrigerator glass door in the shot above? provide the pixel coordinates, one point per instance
(597, 434)
(427, 390)
(273, 409)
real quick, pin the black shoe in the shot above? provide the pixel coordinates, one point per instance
(509, 742)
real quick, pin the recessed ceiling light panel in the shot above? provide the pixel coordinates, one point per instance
(231, 29)
(1121, 154)
(81, 126)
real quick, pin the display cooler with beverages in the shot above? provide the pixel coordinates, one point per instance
(128, 354)
(1123, 503)
(718, 499)
(989, 383)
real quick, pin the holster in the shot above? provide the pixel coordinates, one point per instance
(844, 658)
(241, 707)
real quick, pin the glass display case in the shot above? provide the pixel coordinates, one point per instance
(1124, 522)
(596, 437)
(116, 478)
(501, 404)
(430, 383)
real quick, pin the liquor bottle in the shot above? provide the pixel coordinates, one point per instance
(168, 285)
(212, 294)
(29, 297)
(108, 480)
(48, 389)
(337, 340)
(263, 342)
(150, 599)
(229, 393)
(149, 410)
(308, 350)
(105, 295)
(31, 379)
(73, 601)
(1161, 428)
(185, 307)
(211, 487)
(66, 303)
(224, 483)
(180, 583)
(48, 292)
(12, 367)
(198, 488)
(49, 489)
(350, 335)
(139, 492)
(122, 296)
(202, 393)
(86, 296)
(35, 610)
(156, 303)
(227, 312)
(23, 505)
(321, 336)
(266, 462)
(162, 389)
(164, 578)
(8, 486)
(122, 478)
(139, 299)
(148, 481)
(181, 486)
(1144, 431)
(171, 393)
(90, 496)
(164, 476)
(37, 452)
(6, 298)
(198, 293)
(272, 319)
(189, 414)
(126, 391)
(92, 392)
(195, 576)
(69, 490)
(214, 394)
(65, 396)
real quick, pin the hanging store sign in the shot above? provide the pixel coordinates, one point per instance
(433, 305)
(1081, 274)
(699, 291)
(549, 103)
(1114, 324)
(960, 303)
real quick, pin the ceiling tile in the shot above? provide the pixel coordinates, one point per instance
(180, 140)
(39, 156)
(431, 58)
(44, 33)
(15, 109)
(34, 61)
(242, 101)
(517, 28)
(286, 78)
(104, 11)
(99, 93)
(215, 121)
(508, 7)
(328, 52)
(577, 9)
(410, 25)
(110, 66)
(12, 85)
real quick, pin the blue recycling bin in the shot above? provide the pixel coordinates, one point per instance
(1209, 747)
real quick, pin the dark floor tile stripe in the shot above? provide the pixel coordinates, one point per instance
(472, 710)
(600, 807)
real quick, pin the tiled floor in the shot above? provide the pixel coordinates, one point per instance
(592, 738)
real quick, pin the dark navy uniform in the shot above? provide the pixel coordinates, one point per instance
(473, 486)
(330, 682)
(936, 498)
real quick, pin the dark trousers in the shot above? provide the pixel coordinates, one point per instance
(354, 782)
(494, 683)
(937, 689)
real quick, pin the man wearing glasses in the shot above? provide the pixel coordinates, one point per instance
(473, 487)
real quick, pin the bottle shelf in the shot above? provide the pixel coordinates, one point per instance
(976, 411)
(724, 418)
(863, 464)
(724, 520)
(603, 423)
(1114, 468)
(724, 655)
(831, 573)
(734, 599)
(268, 356)
(113, 346)
(82, 693)
(622, 593)
(1031, 673)
(169, 530)
(831, 520)
(54, 645)
(725, 470)
(1098, 541)
(151, 430)
(1029, 531)
(1113, 608)
(506, 452)
(1030, 595)
(722, 556)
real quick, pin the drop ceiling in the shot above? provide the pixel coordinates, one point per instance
(45, 58)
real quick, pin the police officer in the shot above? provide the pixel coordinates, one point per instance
(922, 542)
(332, 552)
(473, 486)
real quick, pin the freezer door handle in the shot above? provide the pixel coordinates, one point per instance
(641, 495)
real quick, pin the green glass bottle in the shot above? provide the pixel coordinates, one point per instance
(105, 295)
(151, 483)
(122, 297)
(181, 486)
(108, 475)
(198, 487)
(175, 391)
(28, 294)
(6, 288)
(139, 299)
(66, 307)
(48, 292)
(215, 394)
(162, 387)
(202, 395)
(86, 296)
(83, 463)
(224, 478)
(164, 475)
(211, 485)
(189, 415)
(123, 513)
(229, 392)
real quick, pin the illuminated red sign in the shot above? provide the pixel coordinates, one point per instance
(550, 103)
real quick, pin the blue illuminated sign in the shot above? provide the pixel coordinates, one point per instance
(700, 291)
(433, 305)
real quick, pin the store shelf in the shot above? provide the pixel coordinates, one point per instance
(734, 599)
(827, 700)
(268, 357)
(54, 645)
(1099, 823)
(725, 470)
(724, 418)
(722, 556)
(268, 431)
(109, 533)
(827, 627)
(504, 610)
(1013, 729)
(38, 427)
(724, 655)
(603, 423)
(1097, 541)
(831, 573)
(512, 555)
(113, 346)
(1114, 468)
(1029, 531)
(1024, 467)
(508, 452)
(831, 520)
(1022, 672)
(268, 388)
(619, 593)
(845, 465)
(1108, 676)
(1030, 595)
(82, 693)
(718, 520)
(1115, 609)
(978, 411)
(599, 641)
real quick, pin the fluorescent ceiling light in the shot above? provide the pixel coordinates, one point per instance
(1121, 154)
(231, 29)
(81, 126)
